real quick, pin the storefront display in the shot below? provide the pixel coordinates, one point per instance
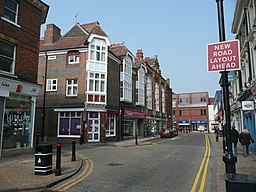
(17, 128)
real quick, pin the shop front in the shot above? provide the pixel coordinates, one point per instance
(135, 122)
(199, 125)
(184, 126)
(17, 112)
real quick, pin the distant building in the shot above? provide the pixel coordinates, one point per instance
(190, 111)
(20, 23)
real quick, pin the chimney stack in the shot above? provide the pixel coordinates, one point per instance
(51, 34)
(139, 54)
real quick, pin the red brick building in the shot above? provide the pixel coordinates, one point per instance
(190, 111)
(20, 23)
(80, 76)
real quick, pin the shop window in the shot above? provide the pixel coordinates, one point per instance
(17, 128)
(111, 126)
(69, 124)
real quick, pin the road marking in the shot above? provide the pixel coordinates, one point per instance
(171, 139)
(86, 172)
(204, 164)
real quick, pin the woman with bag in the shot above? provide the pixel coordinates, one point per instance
(245, 139)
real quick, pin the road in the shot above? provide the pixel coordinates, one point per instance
(178, 164)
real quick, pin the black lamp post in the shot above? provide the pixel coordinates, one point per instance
(229, 159)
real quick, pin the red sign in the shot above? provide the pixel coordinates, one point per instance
(223, 56)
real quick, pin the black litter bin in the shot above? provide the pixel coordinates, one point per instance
(43, 159)
(240, 183)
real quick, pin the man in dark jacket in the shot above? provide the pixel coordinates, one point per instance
(234, 139)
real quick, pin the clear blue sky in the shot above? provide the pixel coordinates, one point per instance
(177, 31)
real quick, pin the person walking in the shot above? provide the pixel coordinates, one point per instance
(245, 139)
(153, 132)
(217, 132)
(234, 139)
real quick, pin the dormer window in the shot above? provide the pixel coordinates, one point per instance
(73, 59)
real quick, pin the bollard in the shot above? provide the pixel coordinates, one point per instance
(73, 150)
(58, 160)
(37, 139)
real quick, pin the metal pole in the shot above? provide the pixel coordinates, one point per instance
(44, 98)
(73, 150)
(229, 159)
(58, 160)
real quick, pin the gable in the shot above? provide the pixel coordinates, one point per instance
(75, 31)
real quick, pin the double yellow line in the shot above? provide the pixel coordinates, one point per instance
(86, 172)
(203, 167)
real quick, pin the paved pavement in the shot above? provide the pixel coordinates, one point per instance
(17, 173)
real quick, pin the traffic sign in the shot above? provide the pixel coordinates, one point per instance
(223, 56)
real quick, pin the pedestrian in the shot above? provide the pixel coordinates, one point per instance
(245, 139)
(153, 132)
(217, 132)
(234, 139)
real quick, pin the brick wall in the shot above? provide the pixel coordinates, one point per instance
(26, 38)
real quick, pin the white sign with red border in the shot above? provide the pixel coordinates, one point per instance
(223, 56)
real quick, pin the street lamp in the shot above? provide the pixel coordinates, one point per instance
(229, 159)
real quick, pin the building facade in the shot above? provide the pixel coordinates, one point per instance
(20, 23)
(190, 111)
(79, 74)
(243, 88)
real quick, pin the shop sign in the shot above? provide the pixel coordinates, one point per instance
(199, 121)
(184, 122)
(19, 87)
(223, 56)
(247, 105)
(133, 113)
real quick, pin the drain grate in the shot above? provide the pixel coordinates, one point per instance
(115, 164)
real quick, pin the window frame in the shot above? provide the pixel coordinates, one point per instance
(50, 85)
(72, 86)
(70, 116)
(98, 51)
(93, 81)
(76, 58)
(12, 66)
(15, 12)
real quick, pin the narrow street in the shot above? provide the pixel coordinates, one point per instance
(170, 164)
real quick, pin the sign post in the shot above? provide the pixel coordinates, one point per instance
(223, 57)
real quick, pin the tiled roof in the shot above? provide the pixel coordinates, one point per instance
(76, 37)
(65, 43)
(119, 50)
(94, 28)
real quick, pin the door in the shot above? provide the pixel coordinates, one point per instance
(94, 126)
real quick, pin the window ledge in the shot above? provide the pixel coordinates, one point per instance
(11, 22)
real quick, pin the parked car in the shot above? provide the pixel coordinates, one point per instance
(166, 133)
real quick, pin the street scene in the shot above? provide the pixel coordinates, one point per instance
(135, 96)
(158, 164)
